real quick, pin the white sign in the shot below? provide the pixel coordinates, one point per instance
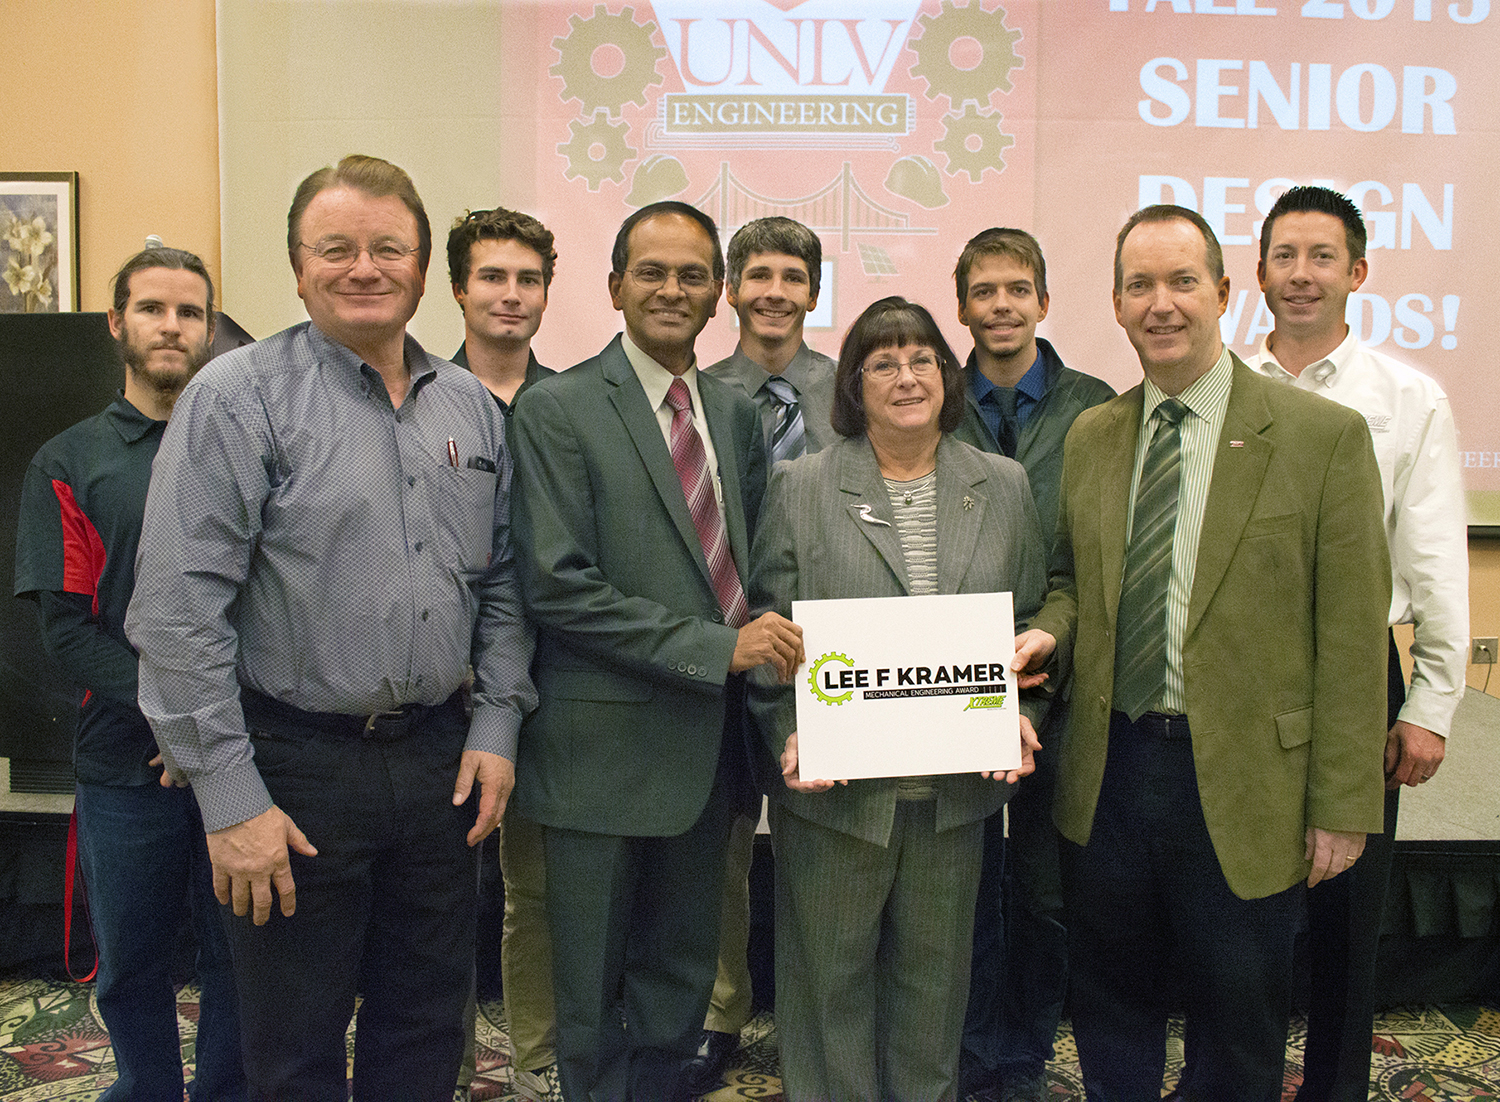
(904, 686)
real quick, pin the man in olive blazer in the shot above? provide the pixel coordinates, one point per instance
(630, 757)
(1262, 766)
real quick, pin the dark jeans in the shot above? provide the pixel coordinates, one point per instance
(386, 909)
(1019, 975)
(1147, 895)
(145, 869)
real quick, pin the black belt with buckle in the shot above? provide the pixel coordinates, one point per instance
(275, 717)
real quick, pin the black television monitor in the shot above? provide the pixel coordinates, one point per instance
(55, 370)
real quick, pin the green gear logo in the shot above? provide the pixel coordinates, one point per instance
(935, 66)
(575, 64)
(982, 129)
(812, 678)
(597, 150)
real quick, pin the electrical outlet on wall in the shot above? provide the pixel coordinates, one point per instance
(1482, 651)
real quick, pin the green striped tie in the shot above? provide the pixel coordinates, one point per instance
(1141, 626)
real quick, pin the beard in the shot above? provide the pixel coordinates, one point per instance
(167, 381)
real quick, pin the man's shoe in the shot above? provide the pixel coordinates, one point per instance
(1024, 1088)
(537, 1086)
(705, 1071)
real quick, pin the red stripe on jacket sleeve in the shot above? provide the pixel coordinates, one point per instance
(83, 550)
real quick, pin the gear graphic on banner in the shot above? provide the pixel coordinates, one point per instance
(608, 139)
(935, 65)
(989, 143)
(575, 64)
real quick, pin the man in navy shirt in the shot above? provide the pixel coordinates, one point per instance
(1022, 401)
(142, 847)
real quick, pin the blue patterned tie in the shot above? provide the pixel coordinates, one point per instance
(1141, 625)
(788, 436)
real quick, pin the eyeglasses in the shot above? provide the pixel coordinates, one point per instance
(338, 252)
(922, 366)
(652, 277)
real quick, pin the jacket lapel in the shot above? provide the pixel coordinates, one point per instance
(639, 418)
(960, 512)
(869, 506)
(1113, 472)
(1232, 492)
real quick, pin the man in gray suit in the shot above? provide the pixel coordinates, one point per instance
(775, 265)
(641, 487)
(775, 268)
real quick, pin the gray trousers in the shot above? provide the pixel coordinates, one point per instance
(872, 957)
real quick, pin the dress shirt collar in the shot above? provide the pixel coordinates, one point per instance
(655, 379)
(1207, 397)
(128, 421)
(1032, 385)
(1321, 374)
(799, 372)
(533, 368)
(419, 365)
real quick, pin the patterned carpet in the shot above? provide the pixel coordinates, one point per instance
(54, 1048)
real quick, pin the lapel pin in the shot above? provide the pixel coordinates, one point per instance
(968, 503)
(864, 515)
(1236, 443)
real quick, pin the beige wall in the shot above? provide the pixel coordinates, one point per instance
(125, 95)
(135, 113)
(1484, 604)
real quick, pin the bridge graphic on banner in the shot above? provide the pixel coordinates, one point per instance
(840, 206)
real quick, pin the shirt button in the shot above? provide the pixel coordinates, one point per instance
(411, 480)
(426, 612)
(418, 546)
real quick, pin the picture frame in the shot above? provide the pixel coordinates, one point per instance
(38, 242)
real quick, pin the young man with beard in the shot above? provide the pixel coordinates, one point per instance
(1021, 402)
(142, 847)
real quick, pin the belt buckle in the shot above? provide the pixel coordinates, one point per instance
(375, 718)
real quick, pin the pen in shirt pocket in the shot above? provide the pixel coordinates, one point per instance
(452, 452)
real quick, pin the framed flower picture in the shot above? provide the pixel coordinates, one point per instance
(38, 242)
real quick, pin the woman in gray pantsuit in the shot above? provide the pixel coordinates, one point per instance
(876, 878)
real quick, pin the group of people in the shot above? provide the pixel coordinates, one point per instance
(342, 607)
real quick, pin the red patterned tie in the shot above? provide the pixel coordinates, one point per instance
(698, 487)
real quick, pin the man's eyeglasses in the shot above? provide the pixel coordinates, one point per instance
(338, 252)
(653, 278)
